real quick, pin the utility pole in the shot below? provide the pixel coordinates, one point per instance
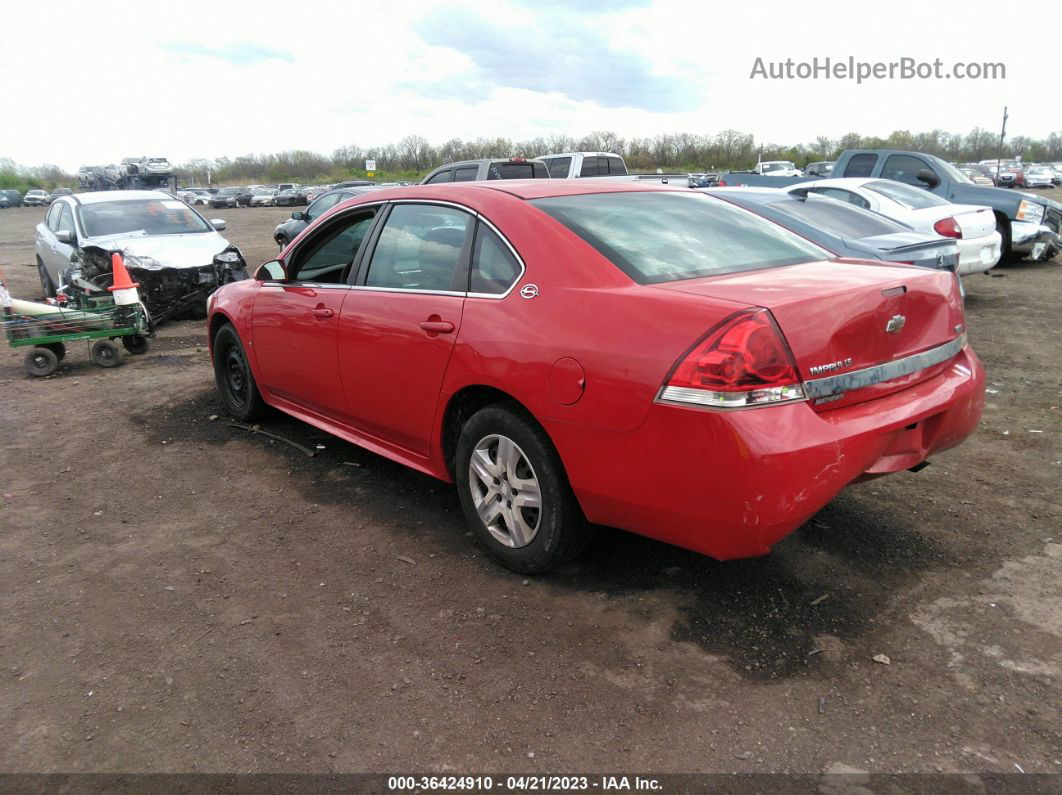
(1002, 135)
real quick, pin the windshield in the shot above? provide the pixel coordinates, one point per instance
(909, 197)
(662, 236)
(146, 216)
(950, 171)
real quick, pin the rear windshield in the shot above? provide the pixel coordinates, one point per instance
(839, 219)
(664, 237)
(910, 197)
(528, 170)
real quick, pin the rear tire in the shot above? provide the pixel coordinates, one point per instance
(105, 353)
(40, 362)
(233, 376)
(515, 494)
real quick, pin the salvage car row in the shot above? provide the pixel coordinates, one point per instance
(529, 339)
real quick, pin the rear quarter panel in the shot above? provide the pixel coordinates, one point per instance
(625, 336)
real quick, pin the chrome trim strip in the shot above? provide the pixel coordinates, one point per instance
(836, 384)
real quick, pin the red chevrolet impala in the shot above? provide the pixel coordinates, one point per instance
(568, 353)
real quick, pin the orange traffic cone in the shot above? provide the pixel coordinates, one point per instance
(124, 288)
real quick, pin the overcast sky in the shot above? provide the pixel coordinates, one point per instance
(92, 81)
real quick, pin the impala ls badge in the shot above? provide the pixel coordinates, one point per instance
(896, 322)
(831, 367)
(529, 291)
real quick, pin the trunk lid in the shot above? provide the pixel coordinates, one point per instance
(836, 315)
(913, 248)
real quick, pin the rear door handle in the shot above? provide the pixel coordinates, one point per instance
(438, 326)
(322, 312)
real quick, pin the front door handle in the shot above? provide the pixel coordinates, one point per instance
(438, 326)
(322, 312)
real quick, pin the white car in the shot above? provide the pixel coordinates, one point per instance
(973, 227)
(175, 254)
(1039, 177)
(778, 168)
(263, 197)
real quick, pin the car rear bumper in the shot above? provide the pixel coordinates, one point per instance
(979, 254)
(732, 484)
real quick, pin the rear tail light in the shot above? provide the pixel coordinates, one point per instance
(947, 227)
(744, 361)
(721, 183)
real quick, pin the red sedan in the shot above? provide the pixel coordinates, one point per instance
(568, 353)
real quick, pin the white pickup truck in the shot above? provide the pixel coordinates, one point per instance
(597, 165)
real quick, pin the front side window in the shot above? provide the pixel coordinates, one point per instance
(494, 268)
(663, 236)
(66, 219)
(147, 216)
(559, 167)
(422, 247)
(903, 168)
(327, 257)
(442, 176)
(510, 170)
(52, 220)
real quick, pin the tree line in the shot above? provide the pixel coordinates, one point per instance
(414, 155)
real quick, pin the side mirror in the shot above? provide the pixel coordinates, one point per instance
(218, 223)
(65, 236)
(928, 177)
(299, 215)
(272, 271)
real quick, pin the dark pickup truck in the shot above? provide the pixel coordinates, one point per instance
(1030, 224)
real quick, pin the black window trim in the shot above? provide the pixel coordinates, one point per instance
(378, 209)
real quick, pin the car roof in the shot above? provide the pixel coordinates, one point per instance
(97, 197)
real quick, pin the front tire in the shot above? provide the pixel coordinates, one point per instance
(47, 285)
(235, 382)
(515, 494)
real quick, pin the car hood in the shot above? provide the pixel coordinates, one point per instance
(169, 251)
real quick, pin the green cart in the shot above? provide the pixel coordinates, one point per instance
(97, 320)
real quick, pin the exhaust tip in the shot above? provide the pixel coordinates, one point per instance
(919, 466)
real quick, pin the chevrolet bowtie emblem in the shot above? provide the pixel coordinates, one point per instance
(896, 322)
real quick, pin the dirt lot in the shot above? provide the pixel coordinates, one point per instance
(179, 595)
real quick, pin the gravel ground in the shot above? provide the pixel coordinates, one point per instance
(179, 595)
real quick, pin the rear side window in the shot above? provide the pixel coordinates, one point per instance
(839, 219)
(615, 165)
(494, 268)
(422, 247)
(861, 165)
(591, 167)
(663, 236)
(559, 167)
